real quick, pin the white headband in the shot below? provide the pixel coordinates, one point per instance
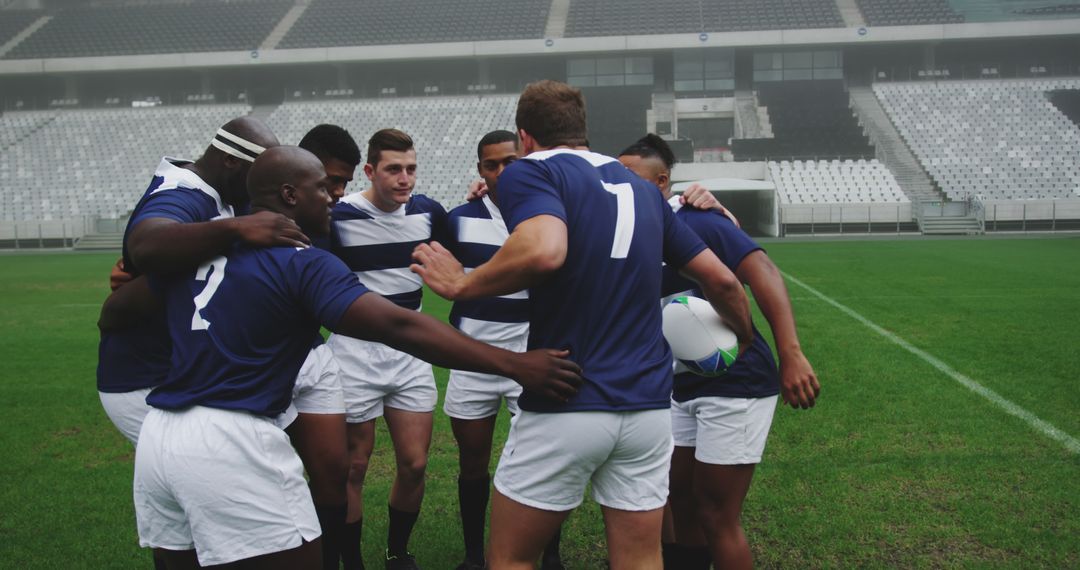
(236, 146)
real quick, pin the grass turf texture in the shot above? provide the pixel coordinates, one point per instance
(898, 465)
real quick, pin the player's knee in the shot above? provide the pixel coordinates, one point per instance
(411, 470)
(474, 465)
(357, 468)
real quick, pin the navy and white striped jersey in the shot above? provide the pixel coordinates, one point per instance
(377, 246)
(139, 358)
(477, 231)
(601, 305)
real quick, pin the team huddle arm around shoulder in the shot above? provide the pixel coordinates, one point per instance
(163, 244)
(798, 384)
(372, 317)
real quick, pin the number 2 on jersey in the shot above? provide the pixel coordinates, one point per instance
(215, 270)
(624, 222)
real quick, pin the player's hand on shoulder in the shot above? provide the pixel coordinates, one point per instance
(118, 276)
(439, 269)
(268, 229)
(698, 197)
(548, 372)
(477, 189)
(799, 385)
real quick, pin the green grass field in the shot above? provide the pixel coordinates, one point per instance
(898, 466)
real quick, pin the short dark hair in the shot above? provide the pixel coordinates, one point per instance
(553, 113)
(651, 146)
(331, 141)
(387, 139)
(494, 137)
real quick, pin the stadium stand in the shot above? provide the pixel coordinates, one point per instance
(999, 139)
(328, 23)
(13, 21)
(1068, 102)
(835, 182)
(199, 26)
(908, 12)
(1056, 10)
(15, 126)
(444, 129)
(630, 17)
(98, 162)
(810, 120)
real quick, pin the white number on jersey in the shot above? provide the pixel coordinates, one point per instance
(624, 222)
(216, 270)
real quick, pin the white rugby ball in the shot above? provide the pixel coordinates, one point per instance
(698, 338)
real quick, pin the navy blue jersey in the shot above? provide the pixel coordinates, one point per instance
(601, 304)
(477, 231)
(138, 358)
(377, 246)
(241, 326)
(134, 358)
(752, 375)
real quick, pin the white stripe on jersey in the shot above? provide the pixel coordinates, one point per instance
(390, 281)
(593, 158)
(174, 176)
(481, 230)
(384, 230)
(488, 331)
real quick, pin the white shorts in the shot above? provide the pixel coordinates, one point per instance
(724, 431)
(374, 375)
(549, 458)
(126, 410)
(225, 483)
(318, 385)
(473, 396)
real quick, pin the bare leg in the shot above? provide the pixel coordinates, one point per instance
(721, 490)
(322, 443)
(519, 533)
(633, 538)
(361, 442)
(411, 434)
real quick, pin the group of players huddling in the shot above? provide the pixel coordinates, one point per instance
(212, 363)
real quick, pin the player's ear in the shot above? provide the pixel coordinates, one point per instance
(288, 194)
(369, 170)
(479, 169)
(663, 179)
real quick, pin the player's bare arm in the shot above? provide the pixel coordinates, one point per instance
(799, 385)
(723, 289)
(372, 317)
(119, 276)
(536, 248)
(128, 305)
(160, 245)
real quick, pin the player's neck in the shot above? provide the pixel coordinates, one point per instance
(383, 205)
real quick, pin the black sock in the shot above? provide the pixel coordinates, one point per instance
(400, 528)
(473, 497)
(669, 551)
(332, 521)
(551, 550)
(695, 557)
(350, 545)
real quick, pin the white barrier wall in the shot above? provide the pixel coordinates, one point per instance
(845, 213)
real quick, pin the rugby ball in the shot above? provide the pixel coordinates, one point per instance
(698, 338)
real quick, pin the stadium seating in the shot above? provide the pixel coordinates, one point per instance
(810, 120)
(98, 162)
(908, 12)
(328, 23)
(199, 26)
(14, 21)
(1000, 139)
(14, 126)
(1068, 102)
(628, 17)
(444, 129)
(835, 182)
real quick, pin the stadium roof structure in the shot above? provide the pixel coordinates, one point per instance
(1069, 26)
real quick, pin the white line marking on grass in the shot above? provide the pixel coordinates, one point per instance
(1070, 443)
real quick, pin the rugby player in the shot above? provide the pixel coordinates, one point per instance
(318, 433)
(185, 216)
(374, 233)
(721, 424)
(584, 241)
(216, 481)
(472, 400)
